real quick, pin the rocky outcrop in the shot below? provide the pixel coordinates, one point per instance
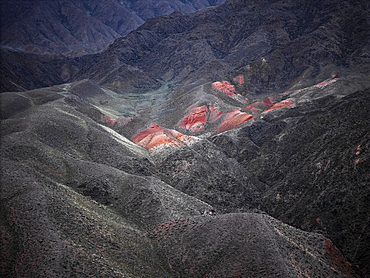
(239, 79)
(233, 119)
(196, 120)
(214, 113)
(253, 107)
(288, 103)
(119, 122)
(268, 102)
(229, 90)
(157, 136)
(225, 87)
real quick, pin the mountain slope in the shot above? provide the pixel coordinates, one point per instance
(75, 28)
(44, 43)
(313, 161)
(303, 56)
(79, 199)
(273, 42)
(24, 71)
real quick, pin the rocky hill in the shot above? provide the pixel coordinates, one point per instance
(231, 142)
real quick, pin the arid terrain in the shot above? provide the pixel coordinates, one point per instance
(191, 139)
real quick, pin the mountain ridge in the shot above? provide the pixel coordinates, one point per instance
(120, 58)
(59, 26)
(48, 42)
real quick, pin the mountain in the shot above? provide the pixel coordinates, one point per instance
(80, 199)
(25, 71)
(275, 45)
(44, 43)
(230, 142)
(75, 28)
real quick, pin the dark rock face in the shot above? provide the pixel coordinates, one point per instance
(53, 27)
(24, 71)
(152, 8)
(338, 152)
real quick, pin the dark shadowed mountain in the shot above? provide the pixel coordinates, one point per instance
(59, 33)
(75, 28)
(24, 71)
(230, 142)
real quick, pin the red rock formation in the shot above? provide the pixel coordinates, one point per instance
(225, 87)
(239, 79)
(253, 107)
(196, 119)
(268, 102)
(108, 120)
(229, 89)
(282, 104)
(233, 119)
(156, 135)
(213, 116)
(118, 121)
